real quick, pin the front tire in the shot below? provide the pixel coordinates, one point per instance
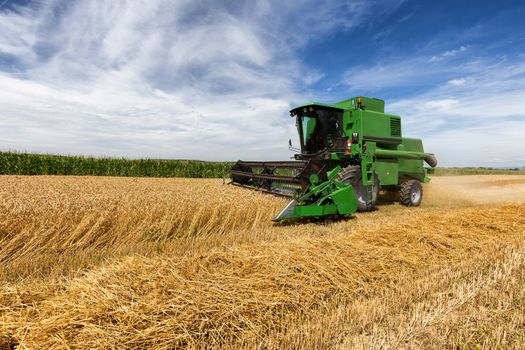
(352, 175)
(411, 193)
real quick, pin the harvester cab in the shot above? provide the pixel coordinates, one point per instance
(320, 128)
(349, 150)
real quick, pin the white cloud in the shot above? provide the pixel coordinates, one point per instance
(416, 70)
(187, 79)
(457, 82)
(465, 104)
(440, 105)
(471, 124)
(449, 53)
(176, 79)
(18, 35)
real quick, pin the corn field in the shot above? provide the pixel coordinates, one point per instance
(127, 263)
(12, 163)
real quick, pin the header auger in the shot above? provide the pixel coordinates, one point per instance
(349, 150)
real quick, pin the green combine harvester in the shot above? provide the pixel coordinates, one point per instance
(349, 151)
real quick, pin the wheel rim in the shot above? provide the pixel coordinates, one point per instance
(362, 195)
(415, 196)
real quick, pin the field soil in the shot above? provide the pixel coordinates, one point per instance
(125, 263)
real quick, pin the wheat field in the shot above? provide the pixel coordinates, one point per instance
(127, 263)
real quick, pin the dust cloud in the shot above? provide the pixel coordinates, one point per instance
(464, 191)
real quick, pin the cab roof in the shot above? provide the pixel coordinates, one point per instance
(310, 106)
(373, 104)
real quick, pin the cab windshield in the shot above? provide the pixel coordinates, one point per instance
(308, 125)
(319, 130)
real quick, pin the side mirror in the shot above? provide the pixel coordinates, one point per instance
(355, 138)
(292, 148)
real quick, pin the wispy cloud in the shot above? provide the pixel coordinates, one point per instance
(471, 120)
(464, 100)
(159, 78)
(457, 82)
(449, 53)
(414, 70)
(194, 79)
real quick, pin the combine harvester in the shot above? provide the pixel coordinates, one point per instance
(349, 151)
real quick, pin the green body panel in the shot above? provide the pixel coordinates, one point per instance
(312, 210)
(387, 170)
(412, 167)
(406, 161)
(345, 199)
(331, 198)
(381, 127)
(342, 201)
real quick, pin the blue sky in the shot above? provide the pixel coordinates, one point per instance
(215, 79)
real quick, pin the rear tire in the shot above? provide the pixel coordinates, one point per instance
(352, 175)
(411, 193)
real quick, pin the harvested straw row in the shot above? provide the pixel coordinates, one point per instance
(42, 217)
(477, 303)
(52, 226)
(245, 292)
(470, 304)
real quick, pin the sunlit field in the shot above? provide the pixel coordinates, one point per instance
(103, 262)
